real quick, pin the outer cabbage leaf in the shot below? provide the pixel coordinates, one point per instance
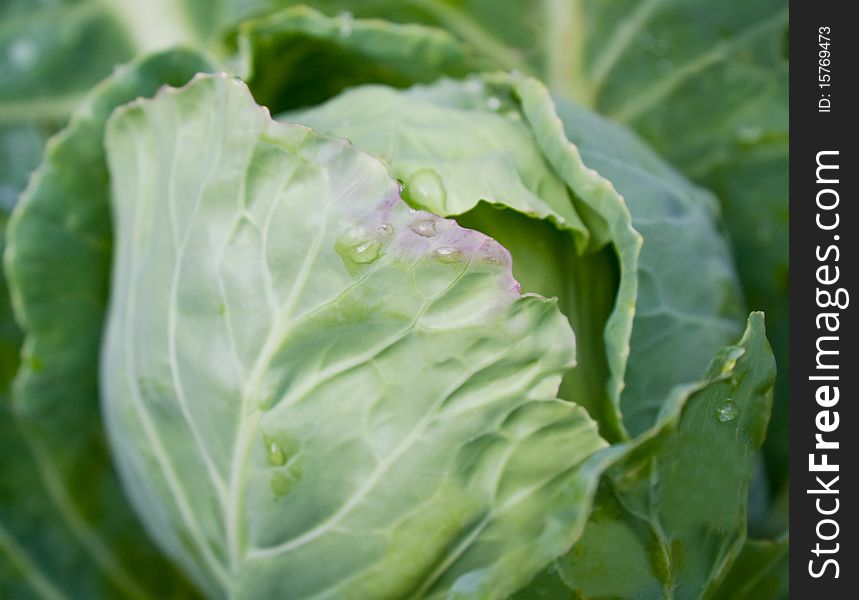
(670, 517)
(705, 83)
(689, 301)
(753, 187)
(759, 573)
(10, 335)
(50, 56)
(511, 35)
(62, 509)
(455, 144)
(53, 52)
(311, 389)
(300, 57)
(21, 146)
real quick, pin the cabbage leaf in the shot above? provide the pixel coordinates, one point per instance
(305, 381)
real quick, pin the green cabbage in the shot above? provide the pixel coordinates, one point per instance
(434, 331)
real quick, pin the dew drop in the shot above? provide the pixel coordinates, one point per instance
(346, 23)
(274, 453)
(386, 229)
(728, 411)
(359, 246)
(424, 227)
(425, 190)
(493, 103)
(447, 254)
(365, 252)
(491, 253)
(731, 355)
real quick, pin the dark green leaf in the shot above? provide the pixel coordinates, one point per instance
(64, 517)
(670, 517)
(299, 57)
(705, 82)
(759, 573)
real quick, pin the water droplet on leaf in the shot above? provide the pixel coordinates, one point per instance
(447, 254)
(365, 252)
(731, 355)
(274, 453)
(493, 103)
(359, 246)
(425, 190)
(423, 227)
(728, 411)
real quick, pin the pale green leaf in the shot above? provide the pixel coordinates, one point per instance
(314, 391)
(63, 517)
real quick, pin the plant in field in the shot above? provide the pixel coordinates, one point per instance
(392, 304)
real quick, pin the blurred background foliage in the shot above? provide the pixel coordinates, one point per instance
(703, 81)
